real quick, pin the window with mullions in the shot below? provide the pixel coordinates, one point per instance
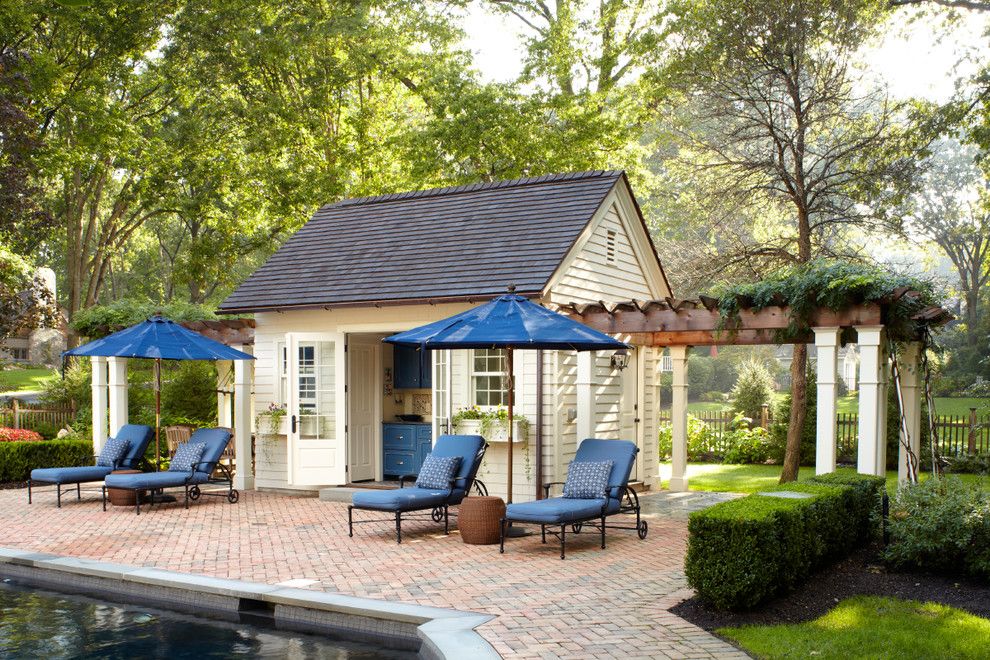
(488, 372)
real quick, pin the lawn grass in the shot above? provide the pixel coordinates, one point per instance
(721, 477)
(872, 627)
(24, 380)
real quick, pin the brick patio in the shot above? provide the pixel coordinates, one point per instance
(601, 604)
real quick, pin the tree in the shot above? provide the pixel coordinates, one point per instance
(952, 208)
(779, 122)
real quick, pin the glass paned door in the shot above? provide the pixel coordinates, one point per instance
(441, 393)
(317, 454)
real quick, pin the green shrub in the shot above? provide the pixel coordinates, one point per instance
(747, 445)
(969, 464)
(940, 525)
(868, 490)
(702, 370)
(17, 459)
(701, 441)
(743, 552)
(753, 388)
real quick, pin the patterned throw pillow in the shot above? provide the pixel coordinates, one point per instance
(437, 471)
(186, 456)
(587, 480)
(113, 451)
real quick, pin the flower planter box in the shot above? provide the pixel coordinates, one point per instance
(497, 432)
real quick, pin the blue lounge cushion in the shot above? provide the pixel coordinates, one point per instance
(113, 451)
(400, 499)
(216, 441)
(138, 437)
(70, 475)
(586, 480)
(559, 510)
(437, 471)
(152, 480)
(622, 452)
(186, 456)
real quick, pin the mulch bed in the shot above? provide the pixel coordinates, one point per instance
(12, 485)
(862, 573)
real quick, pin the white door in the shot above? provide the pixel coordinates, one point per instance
(364, 401)
(441, 394)
(317, 416)
(630, 426)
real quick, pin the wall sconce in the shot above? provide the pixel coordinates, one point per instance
(620, 359)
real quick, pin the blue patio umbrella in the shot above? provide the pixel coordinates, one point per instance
(158, 338)
(507, 322)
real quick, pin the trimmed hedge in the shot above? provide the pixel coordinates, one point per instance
(743, 552)
(17, 459)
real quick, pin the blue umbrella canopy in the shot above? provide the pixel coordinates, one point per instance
(159, 338)
(509, 321)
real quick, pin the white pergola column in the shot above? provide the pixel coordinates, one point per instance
(243, 376)
(678, 419)
(909, 377)
(869, 338)
(224, 372)
(585, 395)
(827, 345)
(882, 408)
(117, 368)
(100, 394)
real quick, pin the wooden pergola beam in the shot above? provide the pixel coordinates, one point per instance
(688, 325)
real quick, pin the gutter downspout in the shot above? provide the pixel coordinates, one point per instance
(539, 423)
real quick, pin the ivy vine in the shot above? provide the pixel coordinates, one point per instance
(833, 285)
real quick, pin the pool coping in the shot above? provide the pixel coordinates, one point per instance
(443, 633)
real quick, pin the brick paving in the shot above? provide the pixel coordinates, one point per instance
(601, 604)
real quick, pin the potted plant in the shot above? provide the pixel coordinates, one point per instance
(269, 426)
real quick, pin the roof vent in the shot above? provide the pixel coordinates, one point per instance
(610, 246)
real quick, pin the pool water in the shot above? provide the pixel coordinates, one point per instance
(42, 624)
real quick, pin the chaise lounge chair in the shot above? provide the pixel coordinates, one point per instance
(470, 449)
(606, 497)
(188, 477)
(136, 436)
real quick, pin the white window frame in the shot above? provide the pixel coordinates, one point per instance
(474, 383)
(282, 373)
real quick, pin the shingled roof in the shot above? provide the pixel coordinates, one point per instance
(429, 245)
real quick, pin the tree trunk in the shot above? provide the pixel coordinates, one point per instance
(799, 410)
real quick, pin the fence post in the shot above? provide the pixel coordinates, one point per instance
(765, 415)
(972, 431)
(17, 414)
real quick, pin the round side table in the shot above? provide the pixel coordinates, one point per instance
(478, 519)
(121, 497)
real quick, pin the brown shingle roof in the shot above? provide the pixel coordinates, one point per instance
(441, 243)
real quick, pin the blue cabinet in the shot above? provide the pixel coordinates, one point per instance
(405, 446)
(412, 368)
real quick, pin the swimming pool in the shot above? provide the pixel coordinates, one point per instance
(36, 623)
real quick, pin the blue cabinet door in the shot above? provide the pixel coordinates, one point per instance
(399, 436)
(406, 366)
(424, 443)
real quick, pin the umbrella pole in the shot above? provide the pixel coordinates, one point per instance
(158, 410)
(512, 387)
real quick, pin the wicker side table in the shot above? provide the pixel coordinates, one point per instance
(121, 497)
(478, 519)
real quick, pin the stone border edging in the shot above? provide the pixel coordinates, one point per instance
(444, 633)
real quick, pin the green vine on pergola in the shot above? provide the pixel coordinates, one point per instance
(834, 285)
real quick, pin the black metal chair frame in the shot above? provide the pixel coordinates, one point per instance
(628, 504)
(192, 491)
(32, 485)
(438, 512)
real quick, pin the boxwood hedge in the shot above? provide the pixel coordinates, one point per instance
(17, 459)
(743, 552)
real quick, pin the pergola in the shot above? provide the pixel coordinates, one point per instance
(680, 324)
(234, 379)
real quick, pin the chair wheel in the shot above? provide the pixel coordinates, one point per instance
(194, 493)
(437, 514)
(576, 527)
(233, 496)
(642, 529)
